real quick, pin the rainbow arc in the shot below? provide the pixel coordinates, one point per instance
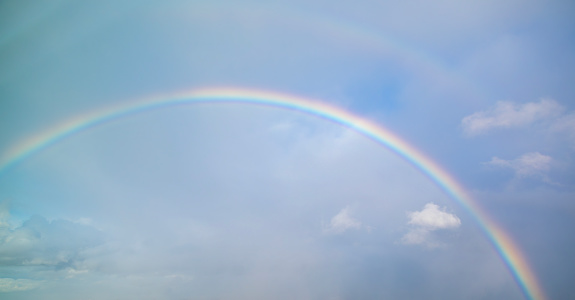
(506, 248)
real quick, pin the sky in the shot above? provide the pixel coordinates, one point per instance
(235, 200)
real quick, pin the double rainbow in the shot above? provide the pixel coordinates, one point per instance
(503, 244)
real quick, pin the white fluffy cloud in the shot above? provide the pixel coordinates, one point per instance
(509, 115)
(532, 164)
(432, 218)
(424, 222)
(342, 222)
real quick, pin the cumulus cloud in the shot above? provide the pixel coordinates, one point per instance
(532, 164)
(432, 218)
(342, 222)
(509, 115)
(424, 222)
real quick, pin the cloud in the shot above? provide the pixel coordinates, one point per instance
(430, 219)
(510, 115)
(39, 242)
(566, 124)
(342, 222)
(17, 285)
(532, 164)
(4, 215)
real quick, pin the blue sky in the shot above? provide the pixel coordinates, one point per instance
(248, 202)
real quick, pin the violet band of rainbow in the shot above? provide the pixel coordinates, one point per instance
(503, 244)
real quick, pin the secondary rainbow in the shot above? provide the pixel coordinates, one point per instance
(507, 249)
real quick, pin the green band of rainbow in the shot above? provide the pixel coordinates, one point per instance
(509, 252)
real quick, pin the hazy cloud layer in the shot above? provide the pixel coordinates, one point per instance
(251, 219)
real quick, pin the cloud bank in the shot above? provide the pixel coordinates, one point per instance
(57, 244)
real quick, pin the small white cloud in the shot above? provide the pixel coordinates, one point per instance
(432, 218)
(532, 164)
(509, 115)
(342, 222)
(424, 222)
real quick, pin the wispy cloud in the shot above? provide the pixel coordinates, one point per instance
(532, 164)
(17, 285)
(509, 115)
(342, 222)
(430, 219)
(566, 124)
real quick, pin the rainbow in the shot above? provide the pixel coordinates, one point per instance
(503, 244)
